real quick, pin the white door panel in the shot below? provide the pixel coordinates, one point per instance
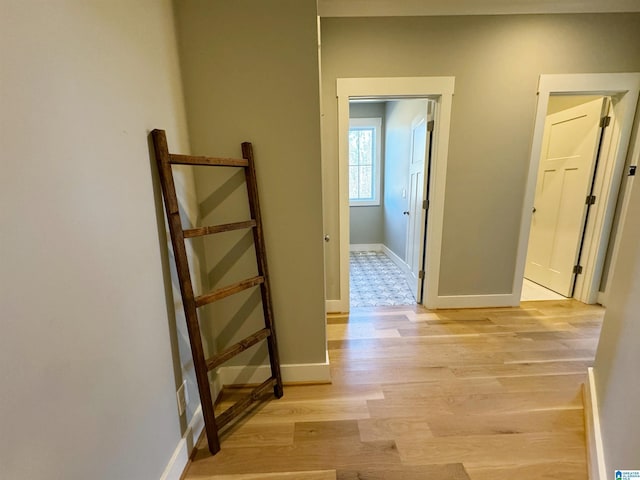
(564, 180)
(415, 230)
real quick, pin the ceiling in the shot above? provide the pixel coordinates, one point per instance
(403, 8)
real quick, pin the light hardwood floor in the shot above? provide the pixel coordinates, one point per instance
(449, 395)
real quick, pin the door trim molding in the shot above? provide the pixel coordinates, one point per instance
(623, 86)
(439, 89)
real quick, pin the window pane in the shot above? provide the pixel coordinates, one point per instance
(353, 147)
(366, 182)
(366, 147)
(353, 182)
(362, 162)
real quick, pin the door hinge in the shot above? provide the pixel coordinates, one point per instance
(425, 204)
(632, 171)
(605, 121)
(591, 199)
(430, 125)
(577, 269)
(421, 274)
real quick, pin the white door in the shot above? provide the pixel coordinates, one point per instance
(569, 151)
(415, 230)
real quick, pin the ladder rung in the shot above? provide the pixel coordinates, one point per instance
(237, 408)
(227, 227)
(229, 290)
(237, 348)
(177, 159)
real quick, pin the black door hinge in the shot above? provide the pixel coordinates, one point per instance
(632, 171)
(605, 121)
(591, 199)
(577, 269)
(425, 204)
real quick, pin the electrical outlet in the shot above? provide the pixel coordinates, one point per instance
(182, 398)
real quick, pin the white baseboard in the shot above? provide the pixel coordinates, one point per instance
(181, 454)
(595, 450)
(365, 247)
(294, 373)
(396, 259)
(336, 306)
(477, 301)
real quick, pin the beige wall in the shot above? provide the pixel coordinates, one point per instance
(250, 70)
(497, 61)
(88, 323)
(618, 357)
(558, 103)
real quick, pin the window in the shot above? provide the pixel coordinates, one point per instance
(364, 161)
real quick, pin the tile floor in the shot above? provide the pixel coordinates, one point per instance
(376, 281)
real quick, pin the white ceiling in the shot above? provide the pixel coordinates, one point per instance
(403, 8)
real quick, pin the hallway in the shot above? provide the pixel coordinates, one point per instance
(458, 394)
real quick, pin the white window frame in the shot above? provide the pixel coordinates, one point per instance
(376, 123)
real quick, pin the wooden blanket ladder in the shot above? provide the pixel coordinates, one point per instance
(191, 303)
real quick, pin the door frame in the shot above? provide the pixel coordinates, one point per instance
(439, 89)
(624, 89)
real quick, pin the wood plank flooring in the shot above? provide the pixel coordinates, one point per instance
(448, 395)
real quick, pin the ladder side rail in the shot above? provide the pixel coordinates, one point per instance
(265, 290)
(186, 288)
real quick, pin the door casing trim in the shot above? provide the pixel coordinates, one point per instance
(439, 89)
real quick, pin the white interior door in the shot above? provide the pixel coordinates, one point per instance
(567, 163)
(415, 230)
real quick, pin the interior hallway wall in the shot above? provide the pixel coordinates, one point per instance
(251, 73)
(89, 360)
(400, 115)
(618, 356)
(497, 61)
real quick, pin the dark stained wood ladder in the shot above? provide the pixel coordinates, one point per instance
(191, 303)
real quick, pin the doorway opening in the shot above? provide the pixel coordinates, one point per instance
(577, 191)
(428, 188)
(390, 154)
(574, 133)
